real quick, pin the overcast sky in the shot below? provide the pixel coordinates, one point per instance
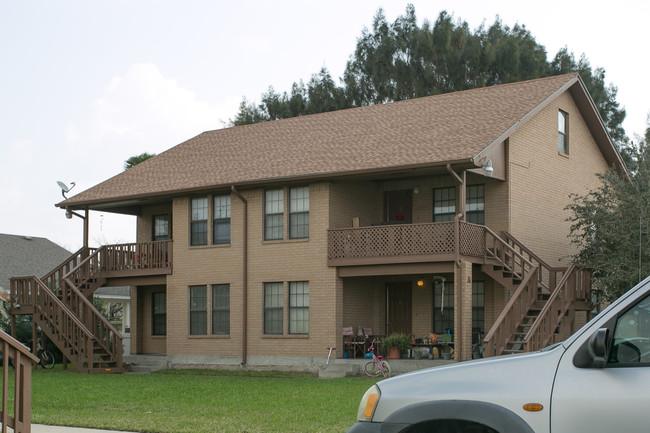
(84, 85)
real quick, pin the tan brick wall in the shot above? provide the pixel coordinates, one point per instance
(541, 179)
(269, 261)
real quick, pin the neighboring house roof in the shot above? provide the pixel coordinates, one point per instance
(23, 256)
(114, 292)
(453, 128)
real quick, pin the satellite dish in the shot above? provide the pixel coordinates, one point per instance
(64, 187)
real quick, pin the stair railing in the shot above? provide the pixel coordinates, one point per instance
(71, 335)
(574, 285)
(512, 315)
(108, 338)
(505, 255)
(54, 278)
(23, 360)
(548, 275)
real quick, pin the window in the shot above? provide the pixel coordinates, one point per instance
(299, 212)
(199, 221)
(475, 207)
(444, 204)
(159, 313)
(273, 305)
(273, 214)
(478, 309)
(299, 307)
(221, 309)
(221, 219)
(160, 228)
(443, 307)
(631, 343)
(198, 310)
(562, 132)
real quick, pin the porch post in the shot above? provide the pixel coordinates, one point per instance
(463, 311)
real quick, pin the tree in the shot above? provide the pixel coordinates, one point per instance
(611, 225)
(135, 160)
(401, 60)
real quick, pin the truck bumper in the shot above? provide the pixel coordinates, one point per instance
(377, 427)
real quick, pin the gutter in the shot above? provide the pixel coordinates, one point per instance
(244, 347)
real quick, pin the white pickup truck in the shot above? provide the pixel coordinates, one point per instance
(596, 381)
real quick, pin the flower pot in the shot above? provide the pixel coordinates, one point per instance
(393, 353)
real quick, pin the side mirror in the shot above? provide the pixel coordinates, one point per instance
(599, 347)
(594, 353)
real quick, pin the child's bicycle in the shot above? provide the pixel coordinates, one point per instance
(46, 359)
(376, 365)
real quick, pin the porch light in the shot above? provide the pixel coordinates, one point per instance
(488, 169)
(68, 214)
(420, 283)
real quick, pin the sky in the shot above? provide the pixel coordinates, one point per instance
(84, 85)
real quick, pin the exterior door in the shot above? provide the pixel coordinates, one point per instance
(398, 311)
(398, 206)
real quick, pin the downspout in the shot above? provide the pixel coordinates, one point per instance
(458, 295)
(244, 277)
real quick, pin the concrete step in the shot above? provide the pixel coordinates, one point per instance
(332, 371)
(145, 363)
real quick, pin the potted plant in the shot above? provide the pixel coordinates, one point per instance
(397, 343)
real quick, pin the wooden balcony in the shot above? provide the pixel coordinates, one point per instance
(407, 243)
(135, 259)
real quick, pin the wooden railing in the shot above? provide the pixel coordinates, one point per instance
(58, 321)
(106, 336)
(518, 265)
(548, 275)
(575, 285)
(512, 315)
(22, 360)
(384, 243)
(505, 255)
(156, 255)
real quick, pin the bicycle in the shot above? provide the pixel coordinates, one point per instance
(376, 365)
(46, 359)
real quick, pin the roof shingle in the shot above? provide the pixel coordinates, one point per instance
(430, 130)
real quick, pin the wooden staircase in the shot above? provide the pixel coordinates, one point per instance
(543, 301)
(67, 317)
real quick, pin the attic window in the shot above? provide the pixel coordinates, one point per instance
(562, 132)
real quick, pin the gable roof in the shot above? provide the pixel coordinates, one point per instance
(23, 256)
(452, 128)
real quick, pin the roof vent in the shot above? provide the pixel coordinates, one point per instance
(28, 238)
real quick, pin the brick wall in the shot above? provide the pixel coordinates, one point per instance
(541, 179)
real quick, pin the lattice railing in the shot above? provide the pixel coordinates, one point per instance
(348, 245)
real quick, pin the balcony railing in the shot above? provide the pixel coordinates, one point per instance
(401, 243)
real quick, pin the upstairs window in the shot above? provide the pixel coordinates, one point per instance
(221, 219)
(562, 132)
(160, 228)
(444, 204)
(475, 204)
(199, 221)
(299, 212)
(273, 214)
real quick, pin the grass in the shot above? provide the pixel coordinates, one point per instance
(177, 401)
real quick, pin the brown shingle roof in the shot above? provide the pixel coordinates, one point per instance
(418, 132)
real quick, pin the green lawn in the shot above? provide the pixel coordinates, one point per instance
(197, 401)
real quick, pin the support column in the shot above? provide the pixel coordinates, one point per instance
(463, 311)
